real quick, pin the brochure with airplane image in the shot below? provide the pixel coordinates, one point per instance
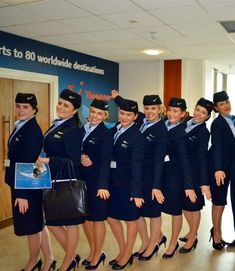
(28, 176)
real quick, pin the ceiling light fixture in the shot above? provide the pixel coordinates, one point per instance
(152, 52)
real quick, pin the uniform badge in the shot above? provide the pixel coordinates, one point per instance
(17, 139)
(124, 144)
(57, 136)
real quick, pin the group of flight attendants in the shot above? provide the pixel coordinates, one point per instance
(145, 165)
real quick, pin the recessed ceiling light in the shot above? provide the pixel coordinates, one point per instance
(151, 52)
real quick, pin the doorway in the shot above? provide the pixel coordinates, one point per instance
(8, 90)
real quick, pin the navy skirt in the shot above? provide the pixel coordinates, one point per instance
(173, 191)
(97, 207)
(120, 207)
(198, 205)
(32, 221)
(150, 208)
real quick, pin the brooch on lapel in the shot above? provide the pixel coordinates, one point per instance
(150, 137)
(91, 141)
(60, 133)
(17, 139)
(192, 138)
(57, 136)
(124, 144)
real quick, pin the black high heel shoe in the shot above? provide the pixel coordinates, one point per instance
(77, 258)
(112, 262)
(72, 266)
(138, 254)
(85, 262)
(186, 250)
(166, 256)
(147, 258)
(38, 266)
(217, 246)
(183, 239)
(163, 241)
(117, 266)
(52, 266)
(101, 259)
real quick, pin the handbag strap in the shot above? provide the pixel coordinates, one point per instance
(71, 170)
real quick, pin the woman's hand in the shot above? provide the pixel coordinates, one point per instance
(138, 201)
(191, 195)
(114, 93)
(206, 191)
(86, 161)
(23, 205)
(103, 194)
(157, 194)
(219, 177)
(41, 161)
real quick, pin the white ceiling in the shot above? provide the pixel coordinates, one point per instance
(119, 30)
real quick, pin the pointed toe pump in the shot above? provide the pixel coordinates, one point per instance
(119, 267)
(101, 259)
(38, 266)
(217, 246)
(186, 250)
(166, 256)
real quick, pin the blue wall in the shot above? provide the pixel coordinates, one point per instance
(88, 75)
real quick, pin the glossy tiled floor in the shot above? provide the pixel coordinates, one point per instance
(13, 250)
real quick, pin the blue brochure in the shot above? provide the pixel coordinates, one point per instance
(28, 176)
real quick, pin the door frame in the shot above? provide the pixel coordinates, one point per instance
(52, 80)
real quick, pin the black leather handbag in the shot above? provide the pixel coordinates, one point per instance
(67, 199)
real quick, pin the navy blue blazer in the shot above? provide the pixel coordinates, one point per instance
(98, 146)
(24, 147)
(179, 159)
(128, 152)
(61, 144)
(223, 145)
(197, 146)
(156, 139)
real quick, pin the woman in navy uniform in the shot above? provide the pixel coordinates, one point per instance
(155, 134)
(223, 157)
(126, 182)
(197, 146)
(177, 176)
(24, 146)
(62, 142)
(95, 160)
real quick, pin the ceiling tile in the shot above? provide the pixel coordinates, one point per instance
(68, 38)
(153, 4)
(175, 41)
(55, 9)
(14, 16)
(93, 23)
(155, 32)
(18, 2)
(140, 19)
(40, 29)
(105, 6)
(199, 28)
(210, 39)
(181, 15)
(115, 35)
(221, 12)
(219, 47)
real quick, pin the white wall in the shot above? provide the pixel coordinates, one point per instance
(137, 79)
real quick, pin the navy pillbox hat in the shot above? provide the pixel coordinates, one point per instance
(129, 105)
(73, 97)
(208, 105)
(220, 97)
(152, 100)
(26, 98)
(178, 102)
(100, 104)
